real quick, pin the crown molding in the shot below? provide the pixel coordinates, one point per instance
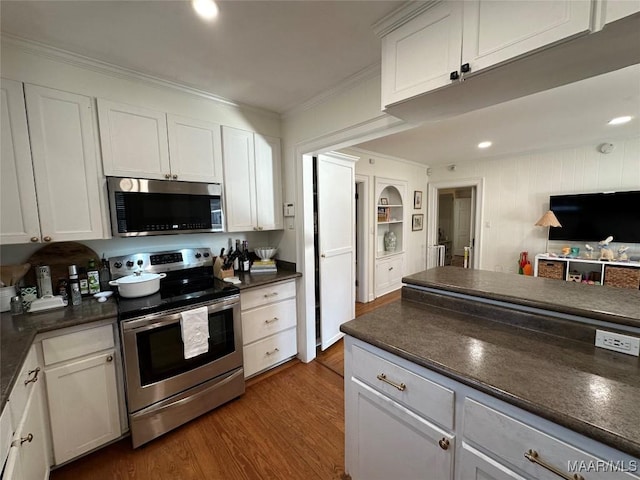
(364, 152)
(401, 15)
(63, 56)
(367, 73)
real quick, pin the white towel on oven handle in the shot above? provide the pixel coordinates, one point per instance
(195, 331)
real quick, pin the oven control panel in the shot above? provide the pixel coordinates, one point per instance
(158, 262)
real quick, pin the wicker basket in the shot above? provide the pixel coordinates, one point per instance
(622, 277)
(551, 269)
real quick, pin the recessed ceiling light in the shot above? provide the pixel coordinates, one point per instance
(207, 9)
(485, 144)
(620, 120)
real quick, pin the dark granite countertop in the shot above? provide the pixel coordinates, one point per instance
(617, 305)
(260, 279)
(572, 383)
(18, 332)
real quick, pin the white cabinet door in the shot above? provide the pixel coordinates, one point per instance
(238, 156)
(33, 451)
(268, 185)
(65, 163)
(617, 9)
(420, 55)
(195, 149)
(134, 141)
(336, 240)
(83, 405)
(18, 207)
(392, 442)
(496, 31)
(388, 275)
(475, 465)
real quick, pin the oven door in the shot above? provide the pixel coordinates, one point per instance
(154, 353)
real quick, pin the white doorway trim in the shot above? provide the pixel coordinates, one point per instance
(363, 238)
(303, 163)
(432, 214)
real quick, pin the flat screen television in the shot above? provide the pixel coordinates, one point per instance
(595, 216)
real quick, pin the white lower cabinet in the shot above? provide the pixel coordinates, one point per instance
(389, 274)
(404, 421)
(28, 457)
(268, 325)
(82, 392)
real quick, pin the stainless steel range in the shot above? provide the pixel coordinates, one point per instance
(165, 388)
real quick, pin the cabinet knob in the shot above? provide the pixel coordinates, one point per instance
(34, 239)
(17, 443)
(390, 268)
(110, 358)
(47, 239)
(444, 443)
(465, 68)
(167, 176)
(454, 75)
(175, 176)
(323, 255)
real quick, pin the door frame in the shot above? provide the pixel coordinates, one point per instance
(362, 239)
(477, 202)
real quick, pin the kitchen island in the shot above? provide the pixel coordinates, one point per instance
(492, 365)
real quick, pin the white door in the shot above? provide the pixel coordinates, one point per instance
(83, 405)
(195, 149)
(18, 207)
(268, 183)
(336, 240)
(462, 224)
(238, 158)
(65, 164)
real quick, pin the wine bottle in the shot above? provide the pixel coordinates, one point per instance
(236, 258)
(105, 275)
(246, 261)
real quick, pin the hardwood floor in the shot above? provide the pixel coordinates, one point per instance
(289, 424)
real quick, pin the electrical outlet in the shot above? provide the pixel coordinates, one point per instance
(617, 342)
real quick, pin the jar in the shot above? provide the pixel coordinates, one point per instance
(390, 242)
(16, 305)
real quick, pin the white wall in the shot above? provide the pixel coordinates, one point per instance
(416, 177)
(517, 191)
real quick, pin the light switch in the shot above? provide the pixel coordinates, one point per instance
(289, 210)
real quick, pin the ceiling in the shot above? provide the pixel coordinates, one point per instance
(276, 55)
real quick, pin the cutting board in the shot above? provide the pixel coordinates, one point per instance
(58, 256)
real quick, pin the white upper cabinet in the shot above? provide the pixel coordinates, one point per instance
(421, 54)
(613, 10)
(134, 141)
(451, 38)
(65, 164)
(268, 182)
(195, 149)
(139, 142)
(496, 31)
(18, 207)
(51, 193)
(252, 180)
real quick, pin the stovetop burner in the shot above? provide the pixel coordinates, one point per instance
(189, 281)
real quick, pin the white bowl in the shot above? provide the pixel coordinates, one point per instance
(265, 253)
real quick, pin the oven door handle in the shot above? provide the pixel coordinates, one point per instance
(162, 319)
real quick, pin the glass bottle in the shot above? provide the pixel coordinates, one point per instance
(93, 277)
(105, 275)
(84, 282)
(246, 261)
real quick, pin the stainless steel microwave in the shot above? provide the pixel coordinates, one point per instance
(157, 207)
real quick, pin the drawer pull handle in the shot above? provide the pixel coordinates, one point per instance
(533, 457)
(274, 319)
(275, 350)
(400, 386)
(444, 443)
(269, 295)
(35, 376)
(17, 443)
(110, 358)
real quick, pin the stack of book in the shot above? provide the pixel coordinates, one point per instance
(263, 266)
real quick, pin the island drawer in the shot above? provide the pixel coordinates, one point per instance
(407, 388)
(510, 440)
